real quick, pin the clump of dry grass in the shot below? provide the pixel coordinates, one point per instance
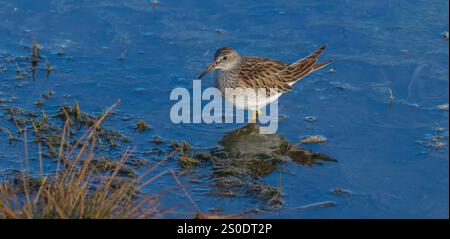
(78, 189)
(75, 194)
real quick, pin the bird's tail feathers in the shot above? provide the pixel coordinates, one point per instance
(319, 66)
(313, 55)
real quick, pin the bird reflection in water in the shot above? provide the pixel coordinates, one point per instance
(246, 156)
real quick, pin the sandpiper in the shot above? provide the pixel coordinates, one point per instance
(252, 72)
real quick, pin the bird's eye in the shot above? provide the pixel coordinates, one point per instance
(225, 58)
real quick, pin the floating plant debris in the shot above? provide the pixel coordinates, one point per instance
(137, 162)
(35, 50)
(126, 118)
(437, 140)
(445, 35)
(21, 182)
(390, 96)
(26, 67)
(109, 165)
(310, 118)
(11, 136)
(343, 86)
(141, 126)
(156, 140)
(8, 100)
(270, 193)
(188, 162)
(309, 158)
(202, 156)
(44, 98)
(48, 66)
(123, 52)
(154, 3)
(313, 139)
(48, 128)
(318, 205)
(342, 191)
(18, 70)
(442, 107)
(184, 147)
(220, 31)
(154, 151)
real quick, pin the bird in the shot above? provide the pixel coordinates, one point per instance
(240, 73)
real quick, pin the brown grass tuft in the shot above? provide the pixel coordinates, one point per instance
(78, 189)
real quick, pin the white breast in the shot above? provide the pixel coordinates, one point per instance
(241, 98)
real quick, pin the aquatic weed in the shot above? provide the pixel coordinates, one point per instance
(76, 190)
(141, 125)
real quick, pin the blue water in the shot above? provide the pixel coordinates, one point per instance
(106, 50)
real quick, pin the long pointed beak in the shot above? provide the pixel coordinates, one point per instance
(209, 69)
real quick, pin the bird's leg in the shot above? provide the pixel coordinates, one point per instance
(254, 116)
(259, 113)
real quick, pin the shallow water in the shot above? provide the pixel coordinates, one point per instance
(130, 50)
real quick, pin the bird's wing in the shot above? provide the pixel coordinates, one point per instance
(257, 73)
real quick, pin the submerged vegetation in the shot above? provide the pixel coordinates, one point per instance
(437, 140)
(79, 188)
(313, 139)
(26, 67)
(142, 126)
(47, 128)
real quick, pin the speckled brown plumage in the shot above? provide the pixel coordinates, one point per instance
(257, 72)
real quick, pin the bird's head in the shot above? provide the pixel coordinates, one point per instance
(225, 59)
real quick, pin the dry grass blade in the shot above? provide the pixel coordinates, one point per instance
(186, 192)
(156, 165)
